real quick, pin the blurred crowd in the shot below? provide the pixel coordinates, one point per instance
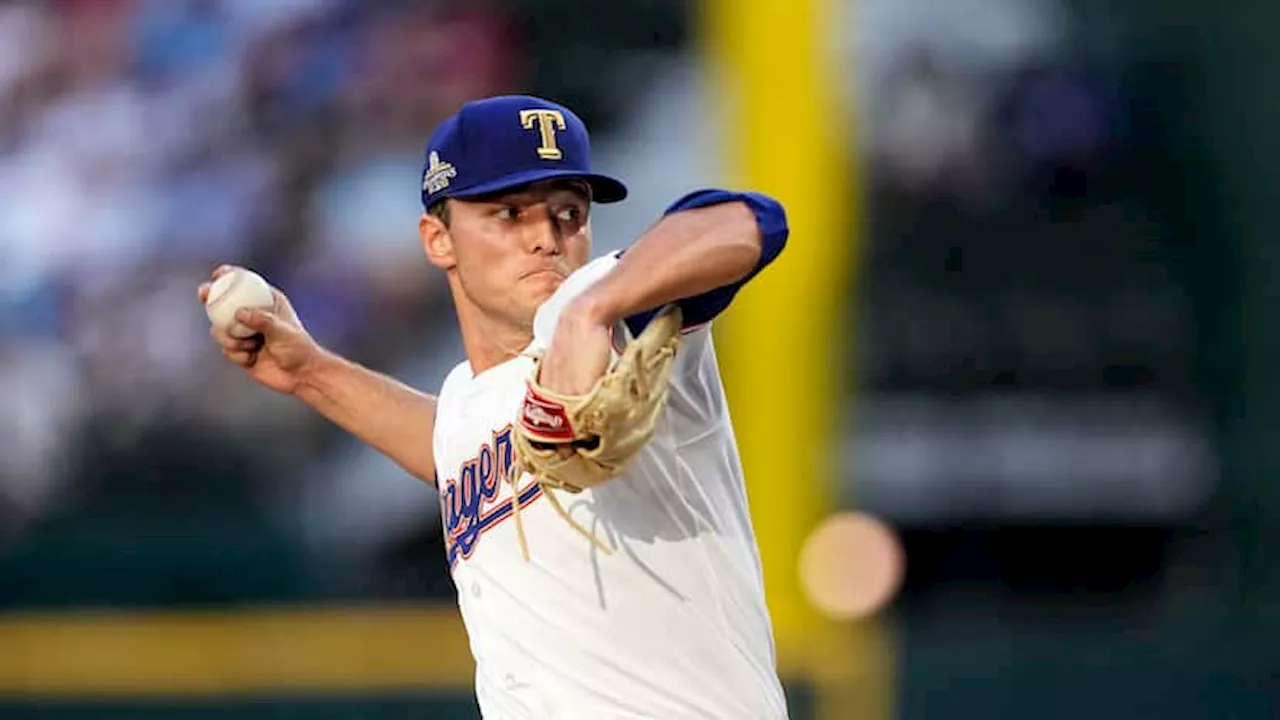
(1026, 230)
(142, 142)
(1036, 301)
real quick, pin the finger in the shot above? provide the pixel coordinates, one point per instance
(230, 342)
(222, 270)
(251, 344)
(242, 358)
(280, 305)
(261, 321)
(203, 291)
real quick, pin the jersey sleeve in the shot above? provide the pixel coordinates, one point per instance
(770, 217)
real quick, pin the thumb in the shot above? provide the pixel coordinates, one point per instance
(260, 321)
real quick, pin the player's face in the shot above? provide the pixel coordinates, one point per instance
(512, 251)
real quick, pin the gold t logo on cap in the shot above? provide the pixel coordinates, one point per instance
(548, 122)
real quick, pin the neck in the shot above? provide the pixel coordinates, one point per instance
(490, 341)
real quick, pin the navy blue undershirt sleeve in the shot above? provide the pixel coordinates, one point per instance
(772, 221)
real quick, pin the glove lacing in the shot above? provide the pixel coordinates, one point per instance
(640, 386)
(555, 503)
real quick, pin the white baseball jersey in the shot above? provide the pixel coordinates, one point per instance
(671, 625)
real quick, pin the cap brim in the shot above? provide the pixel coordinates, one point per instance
(604, 189)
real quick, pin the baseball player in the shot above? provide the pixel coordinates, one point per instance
(627, 585)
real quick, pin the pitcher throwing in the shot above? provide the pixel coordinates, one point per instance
(593, 503)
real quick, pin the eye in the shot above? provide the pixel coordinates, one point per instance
(569, 214)
(510, 212)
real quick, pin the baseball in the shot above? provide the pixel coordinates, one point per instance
(237, 289)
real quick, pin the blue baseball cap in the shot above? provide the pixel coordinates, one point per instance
(503, 142)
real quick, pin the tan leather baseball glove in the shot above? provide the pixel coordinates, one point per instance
(572, 442)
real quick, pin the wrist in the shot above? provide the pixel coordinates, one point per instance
(597, 307)
(314, 375)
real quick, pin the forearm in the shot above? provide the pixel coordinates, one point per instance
(390, 416)
(683, 255)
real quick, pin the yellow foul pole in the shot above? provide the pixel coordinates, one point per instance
(783, 130)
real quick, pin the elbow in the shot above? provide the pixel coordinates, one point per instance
(743, 231)
(745, 238)
(764, 224)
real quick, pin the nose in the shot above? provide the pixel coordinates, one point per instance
(543, 233)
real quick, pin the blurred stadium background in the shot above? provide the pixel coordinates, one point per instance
(1025, 322)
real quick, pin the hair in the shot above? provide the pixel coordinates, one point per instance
(440, 209)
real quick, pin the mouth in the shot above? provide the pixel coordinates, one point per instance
(544, 272)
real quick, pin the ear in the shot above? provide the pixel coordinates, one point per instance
(437, 243)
